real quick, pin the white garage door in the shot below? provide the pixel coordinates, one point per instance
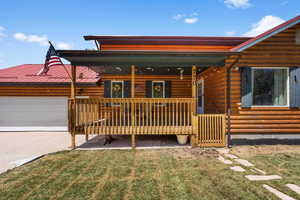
(33, 114)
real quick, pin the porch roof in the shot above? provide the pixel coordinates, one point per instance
(157, 58)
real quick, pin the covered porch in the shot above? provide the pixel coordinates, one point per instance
(133, 115)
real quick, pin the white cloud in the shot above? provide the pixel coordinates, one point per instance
(187, 18)
(230, 33)
(42, 40)
(2, 29)
(237, 3)
(178, 16)
(191, 20)
(63, 45)
(266, 23)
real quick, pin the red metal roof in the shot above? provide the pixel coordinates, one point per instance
(267, 34)
(27, 74)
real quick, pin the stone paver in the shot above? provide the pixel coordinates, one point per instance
(278, 193)
(294, 187)
(228, 155)
(262, 178)
(223, 160)
(223, 150)
(15, 147)
(237, 169)
(260, 171)
(245, 163)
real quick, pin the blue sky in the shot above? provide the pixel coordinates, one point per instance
(26, 25)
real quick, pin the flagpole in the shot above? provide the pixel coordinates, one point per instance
(62, 64)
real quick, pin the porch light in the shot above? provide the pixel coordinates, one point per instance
(181, 74)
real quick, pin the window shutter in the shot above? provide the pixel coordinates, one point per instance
(295, 87)
(168, 89)
(127, 89)
(149, 89)
(107, 89)
(246, 87)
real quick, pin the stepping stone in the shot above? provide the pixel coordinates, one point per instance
(262, 178)
(294, 187)
(223, 150)
(223, 160)
(245, 163)
(260, 171)
(237, 169)
(278, 193)
(228, 155)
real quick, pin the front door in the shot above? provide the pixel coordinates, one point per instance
(200, 96)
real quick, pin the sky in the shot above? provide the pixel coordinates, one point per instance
(27, 25)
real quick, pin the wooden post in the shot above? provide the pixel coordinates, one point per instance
(133, 143)
(228, 99)
(132, 81)
(194, 109)
(73, 113)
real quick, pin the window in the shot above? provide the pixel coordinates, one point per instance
(158, 89)
(117, 89)
(270, 87)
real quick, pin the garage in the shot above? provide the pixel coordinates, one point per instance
(33, 113)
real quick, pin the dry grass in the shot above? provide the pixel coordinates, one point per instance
(143, 174)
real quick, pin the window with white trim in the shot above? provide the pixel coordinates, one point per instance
(270, 86)
(158, 89)
(117, 89)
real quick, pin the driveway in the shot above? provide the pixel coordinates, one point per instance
(17, 146)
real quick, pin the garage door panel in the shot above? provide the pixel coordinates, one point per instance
(33, 111)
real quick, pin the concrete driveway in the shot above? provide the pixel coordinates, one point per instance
(18, 146)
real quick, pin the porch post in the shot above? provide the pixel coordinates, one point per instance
(194, 74)
(73, 107)
(228, 99)
(133, 144)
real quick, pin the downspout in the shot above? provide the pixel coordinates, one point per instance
(228, 96)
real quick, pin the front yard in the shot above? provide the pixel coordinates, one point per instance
(147, 174)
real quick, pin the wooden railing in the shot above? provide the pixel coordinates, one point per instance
(127, 116)
(210, 130)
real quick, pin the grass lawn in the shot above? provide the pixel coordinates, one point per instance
(144, 174)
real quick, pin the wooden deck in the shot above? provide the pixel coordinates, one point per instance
(145, 116)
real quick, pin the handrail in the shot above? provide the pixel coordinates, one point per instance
(132, 116)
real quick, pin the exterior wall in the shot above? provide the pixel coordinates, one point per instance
(277, 51)
(180, 88)
(48, 91)
(214, 90)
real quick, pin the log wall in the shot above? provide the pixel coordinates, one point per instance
(279, 50)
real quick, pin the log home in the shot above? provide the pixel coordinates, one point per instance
(206, 87)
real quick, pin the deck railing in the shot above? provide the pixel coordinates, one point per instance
(127, 116)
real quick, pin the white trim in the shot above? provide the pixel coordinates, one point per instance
(287, 84)
(111, 84)
(164, 88)
(266, 36)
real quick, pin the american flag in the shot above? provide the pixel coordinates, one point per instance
(52, 59)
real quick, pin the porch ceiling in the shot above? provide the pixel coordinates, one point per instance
(145, 58)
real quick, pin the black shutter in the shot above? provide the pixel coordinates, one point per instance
(127, 89)
(107, 89)
(148, 89)
(295, 87)
(246, 87)
(168, 88)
